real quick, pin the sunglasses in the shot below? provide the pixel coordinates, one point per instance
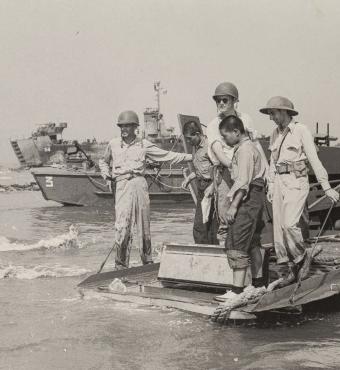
(223, 100)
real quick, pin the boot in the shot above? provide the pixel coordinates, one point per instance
(291, 277)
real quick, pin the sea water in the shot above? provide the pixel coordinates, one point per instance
(47, 249)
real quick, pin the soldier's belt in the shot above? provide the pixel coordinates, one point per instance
(127, 176)
(299, 168)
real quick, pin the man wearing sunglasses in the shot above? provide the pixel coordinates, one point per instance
(226, 97)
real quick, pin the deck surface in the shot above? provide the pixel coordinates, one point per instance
(144, 288)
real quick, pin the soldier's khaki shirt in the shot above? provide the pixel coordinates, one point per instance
(296, 146)
(246, 166)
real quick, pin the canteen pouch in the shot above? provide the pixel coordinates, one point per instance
(300, 169)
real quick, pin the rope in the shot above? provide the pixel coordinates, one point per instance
(161, 166)
(166, 185)
(250, 295)
(97, 184)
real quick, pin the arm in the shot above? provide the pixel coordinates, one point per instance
(312, 156)
(218, 151)
(318, 168)
(245, 172)
(160, 155)
(270, 179)
(263, 157)
(104, 162)
(231, 213)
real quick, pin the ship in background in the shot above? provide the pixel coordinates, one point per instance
(46, 146)
(82, 185)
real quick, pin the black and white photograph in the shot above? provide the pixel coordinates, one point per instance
(169, 184)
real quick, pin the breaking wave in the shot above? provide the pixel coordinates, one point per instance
(48, 271)
(65, 241)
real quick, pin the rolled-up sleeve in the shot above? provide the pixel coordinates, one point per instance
(312, 156)
(160, 155)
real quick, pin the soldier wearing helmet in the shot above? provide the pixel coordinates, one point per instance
(292, 149)
(226, 96)
(125, 162)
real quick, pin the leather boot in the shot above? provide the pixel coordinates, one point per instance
(291, 277)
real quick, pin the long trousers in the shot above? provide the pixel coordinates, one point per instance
(132, 225)
(289, 198)
(222, 183)
(204, 233)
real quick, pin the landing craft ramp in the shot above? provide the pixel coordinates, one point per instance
(207, 273)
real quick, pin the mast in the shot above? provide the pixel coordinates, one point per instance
(159, 89)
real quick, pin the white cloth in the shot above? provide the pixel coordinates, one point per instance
(206, 203)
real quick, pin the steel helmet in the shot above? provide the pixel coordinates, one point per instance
(128, 117)
(279, 102)
(226, 88)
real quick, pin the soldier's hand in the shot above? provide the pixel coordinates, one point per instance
(270, 193)
(231, 213)
(332, 195)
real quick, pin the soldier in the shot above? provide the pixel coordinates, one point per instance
(203, 232)
(292, 148)
(226, 97)
(127, 158)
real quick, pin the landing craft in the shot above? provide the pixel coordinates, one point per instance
(190, 275)
(46, 146)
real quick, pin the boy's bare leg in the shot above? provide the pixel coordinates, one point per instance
(239, 277)
(256, 263)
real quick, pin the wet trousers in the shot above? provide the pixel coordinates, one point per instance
(132, 225)
(289, 198)
(204, 233)
(222, 183)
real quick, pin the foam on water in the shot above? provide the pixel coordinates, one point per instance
(34, 272)
(65, 241)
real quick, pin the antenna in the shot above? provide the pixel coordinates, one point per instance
(159, 89)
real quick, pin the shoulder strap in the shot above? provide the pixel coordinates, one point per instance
(280, 147)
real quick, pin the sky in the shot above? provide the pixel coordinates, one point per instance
(85, 61)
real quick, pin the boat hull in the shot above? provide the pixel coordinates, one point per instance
(86, 188)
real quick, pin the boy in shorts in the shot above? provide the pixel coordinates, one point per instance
(246, 201)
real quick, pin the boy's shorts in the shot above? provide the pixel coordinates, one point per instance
(244, 234)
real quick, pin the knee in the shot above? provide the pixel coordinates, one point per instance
(238, 259)
(288, 227)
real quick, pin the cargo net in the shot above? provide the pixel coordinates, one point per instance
(325, 258)
(250, 295)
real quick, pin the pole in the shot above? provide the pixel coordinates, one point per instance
(310, 256)
(107, 257)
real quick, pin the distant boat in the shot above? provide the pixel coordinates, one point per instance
(84, 186)
(46, 146)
